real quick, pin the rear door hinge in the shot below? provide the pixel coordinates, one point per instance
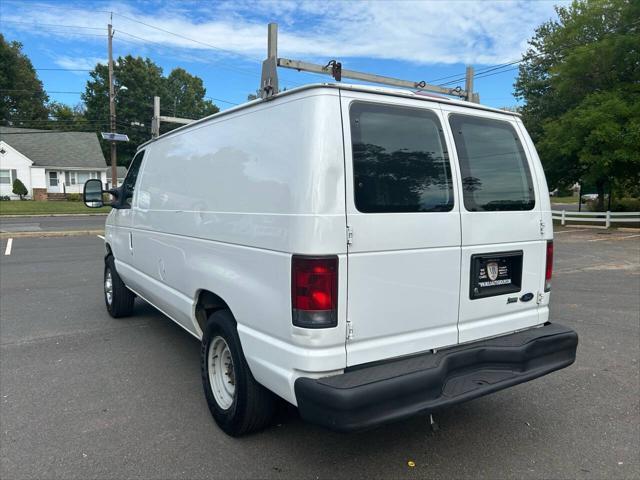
(541, 228)
(539, 298)
(349, 330)
(349, 234)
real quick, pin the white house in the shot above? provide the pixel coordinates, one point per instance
(122, 172)
(50, 163)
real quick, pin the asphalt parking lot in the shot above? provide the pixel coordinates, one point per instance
(9, 224)
(86, 396)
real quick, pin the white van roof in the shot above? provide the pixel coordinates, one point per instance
(340, 86)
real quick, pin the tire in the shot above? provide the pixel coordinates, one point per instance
(120, 303)
(240, 405)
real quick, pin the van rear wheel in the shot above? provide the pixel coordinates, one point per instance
(237, 402)
(117, 297)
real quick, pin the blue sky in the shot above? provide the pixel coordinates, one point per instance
(224, 42)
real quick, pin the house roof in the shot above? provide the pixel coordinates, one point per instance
(122, 171)
(52, 148)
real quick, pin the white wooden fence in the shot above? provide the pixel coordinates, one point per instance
(596, 217)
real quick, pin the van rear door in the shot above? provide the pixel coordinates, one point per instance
(404, 254)
(503, 251)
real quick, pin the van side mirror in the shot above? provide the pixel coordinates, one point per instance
(92, 193)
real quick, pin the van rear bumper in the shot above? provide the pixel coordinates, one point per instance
(372, 394)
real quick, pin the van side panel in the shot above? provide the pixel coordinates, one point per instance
(223, 206)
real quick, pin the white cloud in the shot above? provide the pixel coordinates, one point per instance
(78, 63)
(419, 32)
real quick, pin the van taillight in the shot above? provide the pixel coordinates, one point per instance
(549, 268)
(314, 291)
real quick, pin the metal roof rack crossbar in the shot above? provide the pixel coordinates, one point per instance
(269, 81)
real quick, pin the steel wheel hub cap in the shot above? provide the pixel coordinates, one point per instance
(221, 373)
(108, 287)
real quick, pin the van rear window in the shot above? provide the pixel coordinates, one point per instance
(400, 161)
(493, 165)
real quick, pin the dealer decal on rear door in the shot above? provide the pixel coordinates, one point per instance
(495, 274)
(493, 271)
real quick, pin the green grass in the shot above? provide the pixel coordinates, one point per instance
(573, 199)
(30, 207)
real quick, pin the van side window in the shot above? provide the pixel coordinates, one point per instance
(400, 160)
(129, 183)
(494, 168)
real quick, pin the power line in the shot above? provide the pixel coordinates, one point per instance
(40, 131)
(215, 47)
(497, 73)
(51, 25)
(235, 69)
(481, 75)
(219, 63)
(26, 91)
(478, 74)
(79, 120)
(221, 100)
(18, 90)
(63, 69)
(184, 37)
(461, 76)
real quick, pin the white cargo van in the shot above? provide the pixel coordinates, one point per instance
(363, 253)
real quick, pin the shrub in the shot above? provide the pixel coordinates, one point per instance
(5, 198)
(19, 188)
(74, 197)
(626, 204)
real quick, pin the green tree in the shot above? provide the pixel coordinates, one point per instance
(580, 79)
(142, 79)
(19, 189)
(185, 96)
(65, 117)
(22, 98)
(180, 93)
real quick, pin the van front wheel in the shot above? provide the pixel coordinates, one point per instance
(237, 402)
(117, 297)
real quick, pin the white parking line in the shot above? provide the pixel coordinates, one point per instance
(565, 231)
(100, 236)
(613, 238)
(7, 250)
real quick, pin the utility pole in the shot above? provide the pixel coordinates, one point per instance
(157, 119)
(468, 84)
(112, 110)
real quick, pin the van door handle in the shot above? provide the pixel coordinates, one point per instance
(131, 242)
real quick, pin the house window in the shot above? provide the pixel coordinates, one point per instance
(5, 177)
(53, 179)
(71, 178)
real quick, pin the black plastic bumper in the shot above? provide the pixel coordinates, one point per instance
(369, 395)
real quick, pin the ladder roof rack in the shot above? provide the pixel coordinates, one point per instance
(269, 81)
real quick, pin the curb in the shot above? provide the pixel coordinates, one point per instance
(56, 215)
(61, 233)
